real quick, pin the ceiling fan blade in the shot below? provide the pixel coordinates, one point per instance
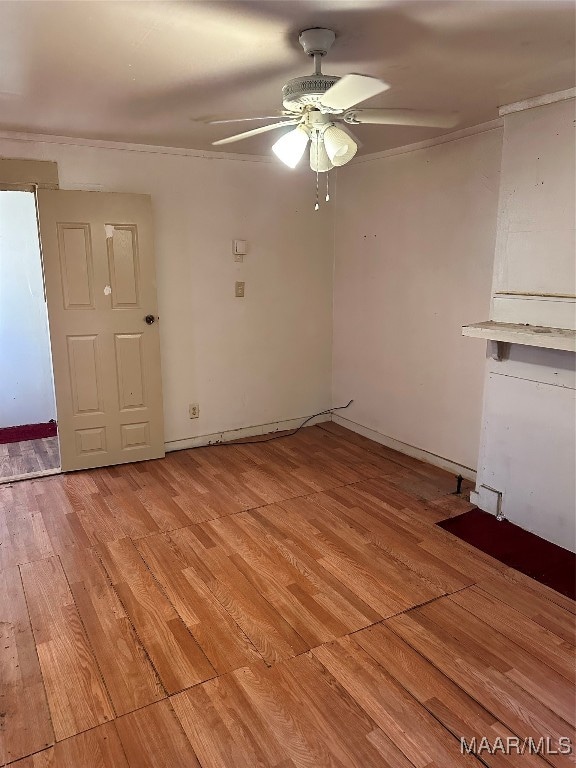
(402, 117)
(351, 90)
(246, 119)
(254, 132)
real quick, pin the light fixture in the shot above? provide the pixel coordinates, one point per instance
(340, 146)
(319, 160)
(290, 147)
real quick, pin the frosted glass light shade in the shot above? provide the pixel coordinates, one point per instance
(290, 147)
(319, 160)
(340, 146)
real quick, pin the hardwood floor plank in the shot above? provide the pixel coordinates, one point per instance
(98, 521)
(270, 633)
(224, 643)
(390, 706)
(129, 676)
(337, 627)
(414, 521)
(539, 643)
(384, 584)
(97, 748)
(291, 715)
(23, 534)
(60, 519)
(450, 705)
(153, 738)
(28, 456)
(338, 718)
(283, 586)
(446, 577)
(25, 724)
(490, 686)
(131, 514)
(536, 678)
(225, 729)
(526, 598)
(44, 759)
(330, 591)
(163, 509)
(176, 656)
(76, 694)
(537, 588)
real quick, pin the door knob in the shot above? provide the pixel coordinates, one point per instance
(149, 319)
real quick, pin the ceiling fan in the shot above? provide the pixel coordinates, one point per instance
(316, 103)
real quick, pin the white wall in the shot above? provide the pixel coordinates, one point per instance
(26, 389)
(414, 253)
(535, 264)
(262, 359)
(528, 448)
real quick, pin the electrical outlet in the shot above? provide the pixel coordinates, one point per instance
(239, 289)
(194, 410)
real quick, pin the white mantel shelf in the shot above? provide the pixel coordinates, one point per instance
(529, 335)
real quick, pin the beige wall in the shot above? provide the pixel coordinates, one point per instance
(414, 251)
(262, 359)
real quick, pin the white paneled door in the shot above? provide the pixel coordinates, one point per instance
(98, 258)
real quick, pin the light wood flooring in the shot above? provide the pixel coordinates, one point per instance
(28, 457)
(287, 604)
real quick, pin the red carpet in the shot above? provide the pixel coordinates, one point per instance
(520, 549)
(28, 432)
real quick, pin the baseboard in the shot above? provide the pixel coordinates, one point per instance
(236, 434)
(409, 450)
(30, 476)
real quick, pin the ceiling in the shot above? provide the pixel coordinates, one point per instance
(153, 72)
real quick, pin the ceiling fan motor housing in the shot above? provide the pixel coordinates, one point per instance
(303, 92)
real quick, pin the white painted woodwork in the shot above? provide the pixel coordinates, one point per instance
(527, 449)
(552, 311)
(536, 244)
(537, 101)
(532, 336)
(17, 172)
(100, 284)
(528, 453)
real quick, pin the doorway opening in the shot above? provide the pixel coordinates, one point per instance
(28, 423)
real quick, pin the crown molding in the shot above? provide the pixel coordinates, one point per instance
(153, 149)
(463, 133)
(537, 101)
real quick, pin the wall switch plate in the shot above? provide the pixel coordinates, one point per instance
(239, 247)
(239, 289)
(194, 410)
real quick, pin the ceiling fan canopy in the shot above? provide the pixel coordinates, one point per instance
(315, 104)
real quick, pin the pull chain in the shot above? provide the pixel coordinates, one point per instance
(327, 188)
(317, 190)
